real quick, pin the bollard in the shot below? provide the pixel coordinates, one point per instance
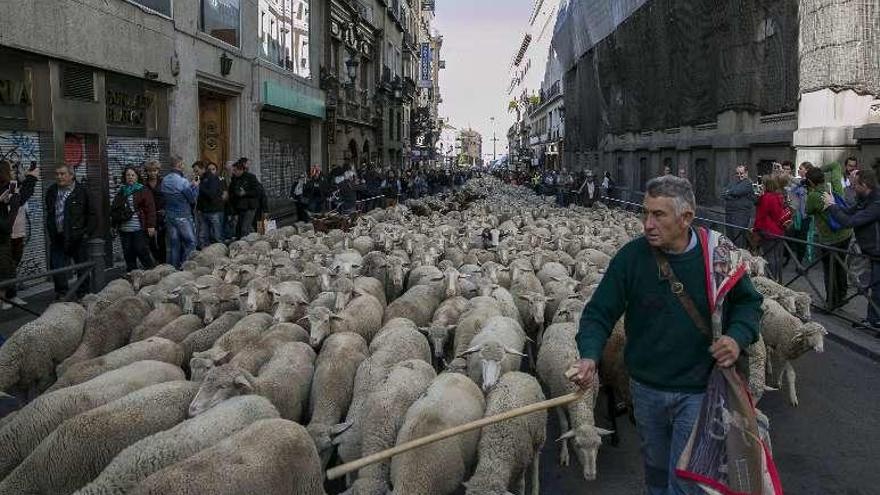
(96, 254)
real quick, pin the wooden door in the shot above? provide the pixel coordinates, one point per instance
(213, 130)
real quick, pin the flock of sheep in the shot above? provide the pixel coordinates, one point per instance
(262, 362)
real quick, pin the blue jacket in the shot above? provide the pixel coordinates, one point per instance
(864, 218)
(180, 195)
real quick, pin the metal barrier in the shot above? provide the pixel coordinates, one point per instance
(91, 271)
(856, 265)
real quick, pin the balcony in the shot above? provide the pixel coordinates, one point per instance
(409, 87)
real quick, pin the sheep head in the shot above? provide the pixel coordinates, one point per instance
(203, 362)
(810, 336)
(490, 355)
(320, 324)
(587, 439)
(325, 437)
(537, 306)
(221, 383)
(437, 335)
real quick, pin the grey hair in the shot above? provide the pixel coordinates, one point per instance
(176, 161)
(670, 186)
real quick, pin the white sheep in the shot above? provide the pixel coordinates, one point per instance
(333, 388)
(443, 323)
(796, 303)
(382, 418)
(215, 301)
(161, 315)
(285, 380)
(363, 316)
(163, 449)
(417, 304)
(28, 359)
(472, 322)
(202, 340)
(495, 350)
(786, 339)
(247, 330)
(112, 292)
(78, 450)
(21, 434)
(152, 349)
(178, 329)
(510, 451)
(143, 278)
(269, 457)
(108, 331)
(557, 353)
(451, 400)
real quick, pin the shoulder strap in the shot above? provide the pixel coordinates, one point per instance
(678, 289)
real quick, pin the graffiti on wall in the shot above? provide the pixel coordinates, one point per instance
(21, 150)
(281, 164)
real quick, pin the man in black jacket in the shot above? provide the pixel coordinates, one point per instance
(70, 220)
(864, 218)
(210, 207)
(244, 196)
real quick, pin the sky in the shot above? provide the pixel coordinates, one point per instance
(479, 41)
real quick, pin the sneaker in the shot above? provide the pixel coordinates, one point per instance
(19, 301)
(862, 324)
(5, 306)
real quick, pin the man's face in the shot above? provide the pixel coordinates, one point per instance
(851, 166)
(237, 171)
(662, 227)
(63, 177)
(152, 173)
(740, 173)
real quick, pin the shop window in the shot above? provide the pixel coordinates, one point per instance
(221, 19)
(159, 6)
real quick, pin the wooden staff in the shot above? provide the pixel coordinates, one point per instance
(344, 469)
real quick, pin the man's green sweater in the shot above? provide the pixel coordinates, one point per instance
(664, 348)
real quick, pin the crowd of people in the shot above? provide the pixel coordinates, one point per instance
(580, 188)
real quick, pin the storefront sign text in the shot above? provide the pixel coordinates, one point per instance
(127, 109)
(15, 92)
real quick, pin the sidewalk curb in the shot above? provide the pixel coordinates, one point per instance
(856, 341)
(865, 351)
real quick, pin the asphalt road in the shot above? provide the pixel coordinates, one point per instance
(828, 445)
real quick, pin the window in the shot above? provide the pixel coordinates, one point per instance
(703, 182)
(221, 19)
(643, 173)
(160, 6)
(286, 35)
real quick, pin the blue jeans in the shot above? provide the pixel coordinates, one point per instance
(664, 421)
(210, 228)
(181, 238)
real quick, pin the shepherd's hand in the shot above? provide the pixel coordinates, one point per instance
(583, 373)
(725, 350)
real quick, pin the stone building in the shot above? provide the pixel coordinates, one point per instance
(469, 147)
(102, 84)
(704, 86)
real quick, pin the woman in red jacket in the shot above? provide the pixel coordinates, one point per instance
(133, 214)
(772, 218)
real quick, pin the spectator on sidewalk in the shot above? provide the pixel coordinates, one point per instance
(833, 269)
(608, 190)
(864, 218)
(133, 215)
(180, 197)
(13, 195)
(739, 206)
(589, 190)
(772, 217)
(210, 206)
(841, 178)
(70, 219)
(17, 211)
(244, 197)
(153, 182)
(802, 224)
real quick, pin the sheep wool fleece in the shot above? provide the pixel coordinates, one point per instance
(664, 349)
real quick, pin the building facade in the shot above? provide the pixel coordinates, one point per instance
(104, 84)
(743, 82)
(469, 147)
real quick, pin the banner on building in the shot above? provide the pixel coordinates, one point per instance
(426, 79)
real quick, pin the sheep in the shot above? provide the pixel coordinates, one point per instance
(362, 316)
(78, 450)
(796, 303)
(179, 329)
(249, 329)
(614, 375)
(285, 380)
(161, 315)
(21, 435)
(451, 459)
(28, 359)
(757, 359)
(472, 321)
(347, 262)
(383, 415)
(144, 278)
(443, 322)
(577, 422)
(398, 341)
(202, 340)
(112, 292)
(333, 387)
(259, 299)
(417, 304)
(569, 310)
(269, 457)
(786, 339)
(551, 271)
(108, 330)
(294, 307)
(163, 449)
(218, 300)
(507, 450)
(422, 275)
(152, 349)
(347, 288)
(506, 303)
(495, 350)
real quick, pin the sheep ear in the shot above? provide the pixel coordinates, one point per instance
(527, 297)
(603, 432)
(451, 327)
(514, 352)
(340, 428)
(244, 382)
(566, 436)
(222, 357)
(336, 317)
(471, 351)
(242, 291)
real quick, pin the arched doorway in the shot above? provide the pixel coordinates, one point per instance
(353, 151)
(366, 151)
